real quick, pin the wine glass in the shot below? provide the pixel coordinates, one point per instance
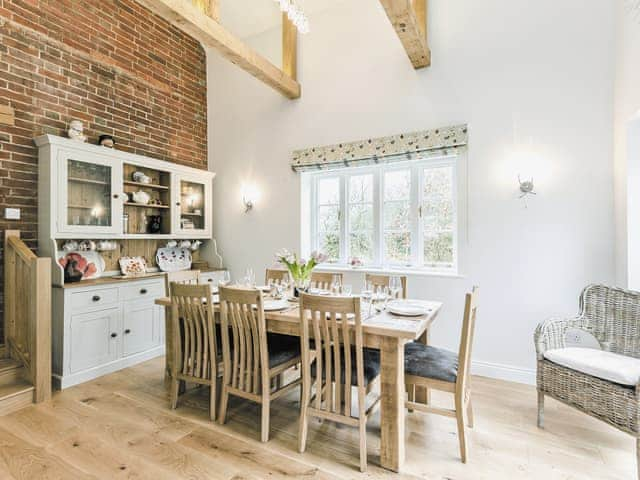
(395, 286)
(225, 279)
(336, 284)
(347, 290)
(250, 277)
(367, 294)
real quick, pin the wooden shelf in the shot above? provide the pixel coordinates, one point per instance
(191, 214)
(146, 185)
(86, 180)
(140, 205)
(85, 207)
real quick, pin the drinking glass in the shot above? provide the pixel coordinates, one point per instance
(347, 290)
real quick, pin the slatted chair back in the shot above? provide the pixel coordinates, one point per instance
(383, 281)
(276, 276)
(324, 318)
(244, 340)
(323, 280)
(194, 332)
(183, 277)
(466, 339)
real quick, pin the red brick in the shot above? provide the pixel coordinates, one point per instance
(111, 63)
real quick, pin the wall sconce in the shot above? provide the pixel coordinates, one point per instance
(526, 189)
(249, 197)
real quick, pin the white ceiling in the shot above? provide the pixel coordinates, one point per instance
(249, 17)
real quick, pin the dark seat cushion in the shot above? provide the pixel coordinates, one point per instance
(282, 349)
(371, 358)
(430, 362)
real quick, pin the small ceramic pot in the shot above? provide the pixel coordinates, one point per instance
(70, 246)
(141, 197)
(106, 141)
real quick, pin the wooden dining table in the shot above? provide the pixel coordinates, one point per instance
(383, 331)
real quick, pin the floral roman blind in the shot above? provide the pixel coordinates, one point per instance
(440, 142)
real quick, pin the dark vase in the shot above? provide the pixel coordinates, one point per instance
(155, 223)
(72, 273)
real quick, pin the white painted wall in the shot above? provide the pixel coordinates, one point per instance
(626, 167)
(534, 81)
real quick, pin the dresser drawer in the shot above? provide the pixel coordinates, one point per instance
(211, 278)
(142, 290)
(94, 299)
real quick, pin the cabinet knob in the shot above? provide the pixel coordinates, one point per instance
(96, 298)
(127, 331)
(143, 291)
(115, 195)
(210, 280)
(177, 204)
(114, 335)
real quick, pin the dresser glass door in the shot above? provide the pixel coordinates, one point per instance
(89, 193)
(192, 206)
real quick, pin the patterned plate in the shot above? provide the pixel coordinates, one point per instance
(90, 263)
(131, 266)
(173, 259)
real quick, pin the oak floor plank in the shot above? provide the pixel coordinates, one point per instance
(90, 453)
(250, 458)
(25, 461)
(123, 420)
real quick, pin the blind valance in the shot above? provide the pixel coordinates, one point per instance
(438, 142)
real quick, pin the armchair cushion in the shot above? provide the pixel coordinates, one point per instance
(598, 363)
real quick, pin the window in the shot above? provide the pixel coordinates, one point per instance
(402, 215)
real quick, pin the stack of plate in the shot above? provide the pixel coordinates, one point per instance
(408, 308)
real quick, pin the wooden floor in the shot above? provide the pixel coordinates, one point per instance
(119, 426)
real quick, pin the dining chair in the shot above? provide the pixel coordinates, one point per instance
(445, 371)
(383, 281)
(323, 280)
(276, 275)
(334, 359)
(183, 277)
(195, 354)
(252, 358)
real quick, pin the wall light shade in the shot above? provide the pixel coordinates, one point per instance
(250, 196)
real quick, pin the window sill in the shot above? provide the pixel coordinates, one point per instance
(416, 272)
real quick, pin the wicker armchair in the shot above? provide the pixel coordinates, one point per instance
(612, 315)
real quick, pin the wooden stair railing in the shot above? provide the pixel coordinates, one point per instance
(27, 312)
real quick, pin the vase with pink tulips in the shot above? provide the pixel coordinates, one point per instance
(299, 268)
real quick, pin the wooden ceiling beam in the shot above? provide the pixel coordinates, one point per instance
(289, 47)
(409, 19)
(190, 19)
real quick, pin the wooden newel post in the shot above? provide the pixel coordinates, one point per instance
(9, 287)
(40, 321)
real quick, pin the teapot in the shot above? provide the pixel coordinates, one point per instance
(141, 197)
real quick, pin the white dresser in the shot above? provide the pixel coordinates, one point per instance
(105, 326)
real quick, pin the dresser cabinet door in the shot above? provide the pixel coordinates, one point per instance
(94, 338)
(140, 327)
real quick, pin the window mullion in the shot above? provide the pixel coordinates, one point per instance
(414, 218)
(344, 233)
(314, 214)
(378, 217)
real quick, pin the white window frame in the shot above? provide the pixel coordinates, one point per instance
(417, 168)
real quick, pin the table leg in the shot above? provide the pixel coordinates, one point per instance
(392, 404)
(423, 394)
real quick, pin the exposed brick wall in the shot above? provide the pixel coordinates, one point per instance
(112, 64)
